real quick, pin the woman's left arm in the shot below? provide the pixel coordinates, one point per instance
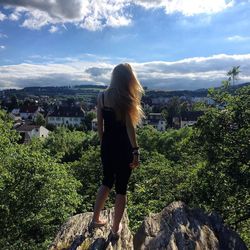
(99, 118)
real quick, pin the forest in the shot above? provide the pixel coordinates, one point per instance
(44, 182)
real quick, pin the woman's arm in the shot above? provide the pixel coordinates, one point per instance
(99, 117)
(131, 130)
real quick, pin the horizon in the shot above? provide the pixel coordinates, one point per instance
(105, 86)
(172, 45)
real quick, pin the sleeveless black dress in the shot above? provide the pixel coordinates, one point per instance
(116, 151)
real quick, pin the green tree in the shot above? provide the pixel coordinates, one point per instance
(68, 146)
(233, 73)
(221, 137)
(39, 120)
(36, 194)
(88, 120)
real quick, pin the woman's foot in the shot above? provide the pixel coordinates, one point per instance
(99, 223)
(96, 224)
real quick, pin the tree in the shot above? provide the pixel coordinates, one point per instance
(233, 73)
(68, 146)
(39, 120)
(88, 120)
(37, 194)
(173, 108)
(221, 137)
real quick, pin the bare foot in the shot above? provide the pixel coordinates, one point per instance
(99, 223)
(96, 224)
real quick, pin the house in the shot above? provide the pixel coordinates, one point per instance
(27, 132)
(15, 111)
(157, 121)
(30, 112)
(206, 100)
(94, 124)
(187, 118)
(15, 118)
(160, 100)
(66, 115)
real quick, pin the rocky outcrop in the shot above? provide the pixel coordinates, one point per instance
(74, 234)
(179, 227)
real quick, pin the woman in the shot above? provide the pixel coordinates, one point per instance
(119, 106)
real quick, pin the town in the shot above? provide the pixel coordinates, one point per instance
(38, 110)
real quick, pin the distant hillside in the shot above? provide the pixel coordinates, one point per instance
(92, 90)
(189, 93)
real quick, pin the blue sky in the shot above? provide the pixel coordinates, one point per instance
(178, 44)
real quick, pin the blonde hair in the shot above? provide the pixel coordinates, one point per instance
(124, 93)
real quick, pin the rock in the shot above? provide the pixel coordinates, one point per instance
(178, 227)
(74, 234)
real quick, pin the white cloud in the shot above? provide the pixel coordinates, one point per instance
(187, 7)
(95, 15)
(14, 16)
(53, 29)
(36, 19)
(2, 16)
(189, 73)
(2, 47)
(92, 15)
(237, 38)
(2, 35)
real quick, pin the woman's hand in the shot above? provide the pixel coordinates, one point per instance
(136, 161)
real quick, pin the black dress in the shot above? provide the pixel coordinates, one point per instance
(116, 151)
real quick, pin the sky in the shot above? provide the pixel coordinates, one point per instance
(171, 44)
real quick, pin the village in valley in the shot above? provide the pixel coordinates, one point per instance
(38, 110)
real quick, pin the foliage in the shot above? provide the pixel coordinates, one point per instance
(222, 137)
(233, 73)
(88, 120)
(36, 193)
(39, 120)
(68, 146)
(152, 187)
(88, 171)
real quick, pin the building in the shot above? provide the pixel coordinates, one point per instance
(30, 112)
(206, 100)
(66, 115)
(157, 121)
(160, 100)
(15, 112)
(187, 118)
(94, 124)
(27, 132)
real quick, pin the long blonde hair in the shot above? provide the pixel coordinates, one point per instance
(124, 94)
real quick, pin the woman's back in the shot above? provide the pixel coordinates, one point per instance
(111, 123)
(115, 145)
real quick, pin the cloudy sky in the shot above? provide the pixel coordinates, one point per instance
(172, 44)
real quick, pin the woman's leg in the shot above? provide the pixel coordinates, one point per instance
(122, 177)
(120, 203)
(102, 196)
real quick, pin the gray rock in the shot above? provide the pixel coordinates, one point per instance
(178, 227)
(74, 234)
